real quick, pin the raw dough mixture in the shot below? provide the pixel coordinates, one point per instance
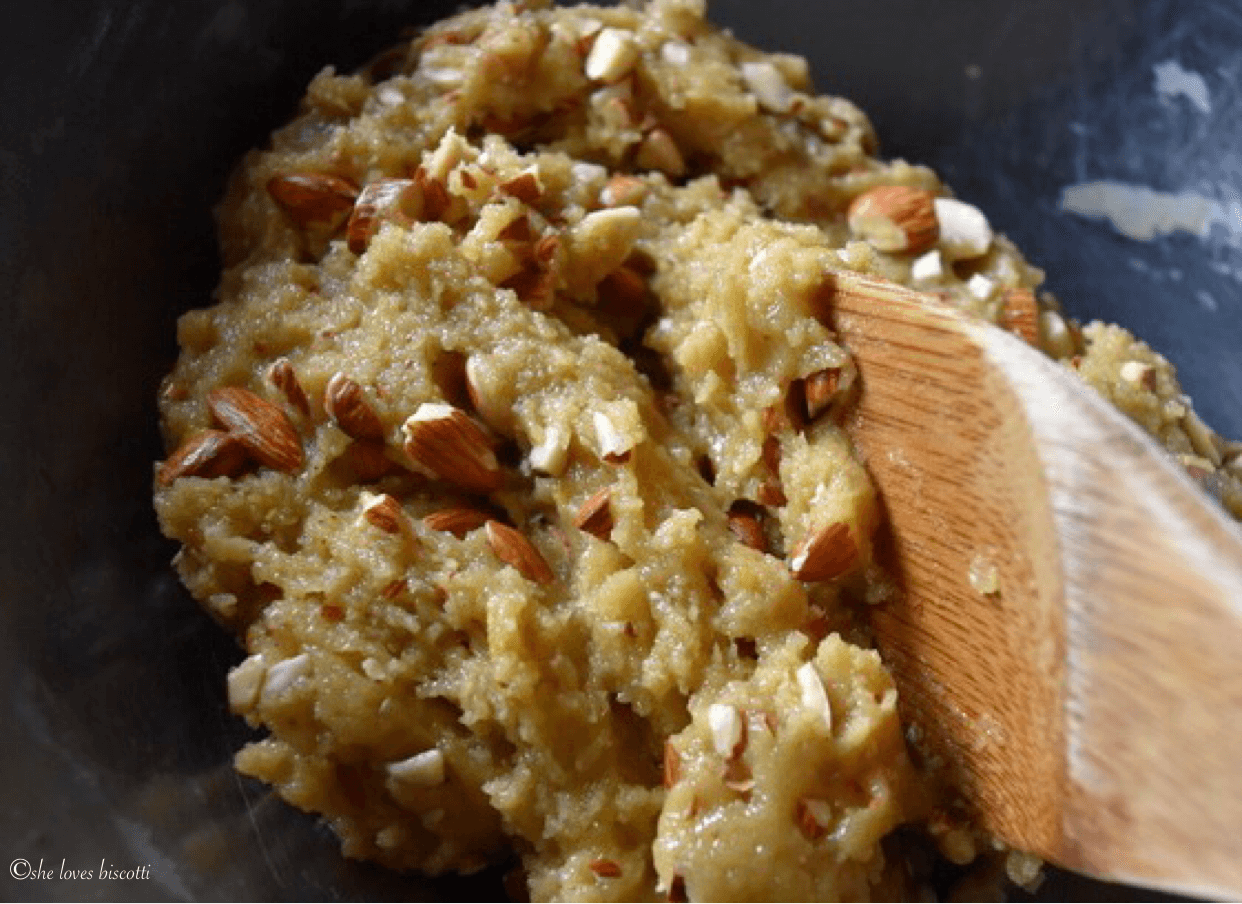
(511, 451)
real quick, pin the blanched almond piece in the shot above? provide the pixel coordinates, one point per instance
(814, 696)
(964, 230)
(245, 681)
(612, 56)
(1020, 315)
(284, 675)
(424, 769)
(385, 200)
(259, 425)
(208, 453)
(311, 197)
(728, 730)
(347, 404)
(826, 553)
(595, 515)
(821, 390)
(980, 286)
(929, 266)
(1138, 373)
(768, 85)
(623, 191)
(895, 218)
(282, 375)
(660, 152)
(456, 521)
(445, 442)
(614, 446)
(512, 548)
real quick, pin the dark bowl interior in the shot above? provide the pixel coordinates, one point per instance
(121, 121)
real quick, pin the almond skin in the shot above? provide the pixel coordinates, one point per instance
(826, 553)
(895, 218)
(456, 521)
(395, 200)
(1020, 315)
(514, 549)
(260, 426)
(347, 404)
(595, 516)
(445, 442)
(821, 389)
(311, 197)
(209, 453)
(366, 458)
(283, 377)
(744, 525)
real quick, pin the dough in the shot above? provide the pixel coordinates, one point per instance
(510, 450)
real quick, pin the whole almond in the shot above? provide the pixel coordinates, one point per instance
(457, 521)
(1020, 315)
(445, 442)
(260, 426)
(283, 377)
(209, 453)
(595, 515)
(826, 553)
(310, 197)
(895, 218)
(385, 200)
(514, 549)
(347, 404)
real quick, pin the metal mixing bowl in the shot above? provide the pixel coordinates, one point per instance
(121, 121)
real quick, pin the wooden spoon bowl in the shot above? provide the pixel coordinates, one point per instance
(1090, 708)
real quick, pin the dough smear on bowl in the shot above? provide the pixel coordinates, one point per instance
(511, 451)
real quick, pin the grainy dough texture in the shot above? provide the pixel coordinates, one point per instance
(511, 451)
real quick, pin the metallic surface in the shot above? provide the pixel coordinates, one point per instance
(119, 124)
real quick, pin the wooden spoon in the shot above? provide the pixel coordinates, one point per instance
(1091, 708)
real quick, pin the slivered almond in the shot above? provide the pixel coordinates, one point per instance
(771, 454)
(525, 186)
(282, 375)
(518, 230)
(456, 521)
(385, 200)
(383, 511)
(260, 426)
(347, 404)
(445, 442)
(744, 524)
(209, 453)
(595, 515)
(672, 764)
(612, 56)
(311, 197)
(821, 389)
(623, 191)
(614, 446)
(728, 730)
(1138, 373)
(512, 548)
(1020, 315)
(895, 218)
(605, 869)
(826, 553)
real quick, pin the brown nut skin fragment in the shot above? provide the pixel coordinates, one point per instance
(595, 516)
(826, 553)
(512, 548)
(311, 197)
(457, 521)
(209, 453)
(260, 426)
